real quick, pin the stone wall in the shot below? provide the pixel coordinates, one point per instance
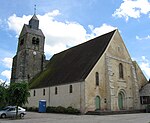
(110, 83)
(62, 98)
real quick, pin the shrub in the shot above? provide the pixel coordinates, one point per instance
(71, 110)
(51, 109)
(61, 109)
(34, 109)
(148, 108)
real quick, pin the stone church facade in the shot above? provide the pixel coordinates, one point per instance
(96, 75)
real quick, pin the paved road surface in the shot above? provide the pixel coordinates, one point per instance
(61, 118)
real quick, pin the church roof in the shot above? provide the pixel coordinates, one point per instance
(72, 65)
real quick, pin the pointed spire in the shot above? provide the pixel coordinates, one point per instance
(34, 21)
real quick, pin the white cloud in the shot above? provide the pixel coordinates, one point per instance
(105, 28)
(145, 66)
(143, 38)
(7, 62)
(7, 74)
(132, 8)
(16, 23)
(59, 35)
(1, 81)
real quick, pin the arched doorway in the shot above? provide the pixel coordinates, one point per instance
(97, 103)
(121, 100)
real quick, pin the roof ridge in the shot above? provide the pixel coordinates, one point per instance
(74, 64)
(85, 42)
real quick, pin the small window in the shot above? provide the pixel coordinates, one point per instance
(70, 89)
(119, 49)
(97, 78)
(56, 91)
(43, 92)
(145, 99)
(35, 41)
(34, 93)
(121, 71)
(22, 42)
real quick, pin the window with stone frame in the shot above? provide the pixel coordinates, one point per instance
(70, 89)
(121, 76)
(43, 92)
(34, 93)
(21, 42)
(56, 91)
(97, 78)
(35, 41)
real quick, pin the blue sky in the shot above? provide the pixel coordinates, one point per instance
(67, 23)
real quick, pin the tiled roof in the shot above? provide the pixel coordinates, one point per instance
(74, 64)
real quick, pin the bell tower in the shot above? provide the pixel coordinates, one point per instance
(29, 59)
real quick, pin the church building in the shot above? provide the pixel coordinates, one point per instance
(96, 75)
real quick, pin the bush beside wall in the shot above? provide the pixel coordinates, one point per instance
(63, 110)
(59, 109)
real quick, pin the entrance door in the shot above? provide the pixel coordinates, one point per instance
(97, 103)
(121, 100)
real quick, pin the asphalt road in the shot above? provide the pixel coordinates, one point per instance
(61, 118)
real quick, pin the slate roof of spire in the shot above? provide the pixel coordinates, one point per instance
(34, 17)
(72, 65)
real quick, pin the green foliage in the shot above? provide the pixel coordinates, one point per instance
(50, 109)
(59, 109)
(18, 93)
(148, 108)
(63, 110)
(71, 110)
(34, 109)
(3, 96)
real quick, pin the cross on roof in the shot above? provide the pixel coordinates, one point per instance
(35, 9)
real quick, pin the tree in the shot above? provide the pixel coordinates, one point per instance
(3, 96)
(18, 94)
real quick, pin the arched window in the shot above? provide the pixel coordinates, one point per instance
(55, 90)
(97, 78)
(33, 40)
(121, 71)
(37, 41)
(22, 42)
(70, 89)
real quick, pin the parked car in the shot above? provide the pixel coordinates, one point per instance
(10, 111)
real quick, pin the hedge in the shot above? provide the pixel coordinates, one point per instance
(59, 109)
